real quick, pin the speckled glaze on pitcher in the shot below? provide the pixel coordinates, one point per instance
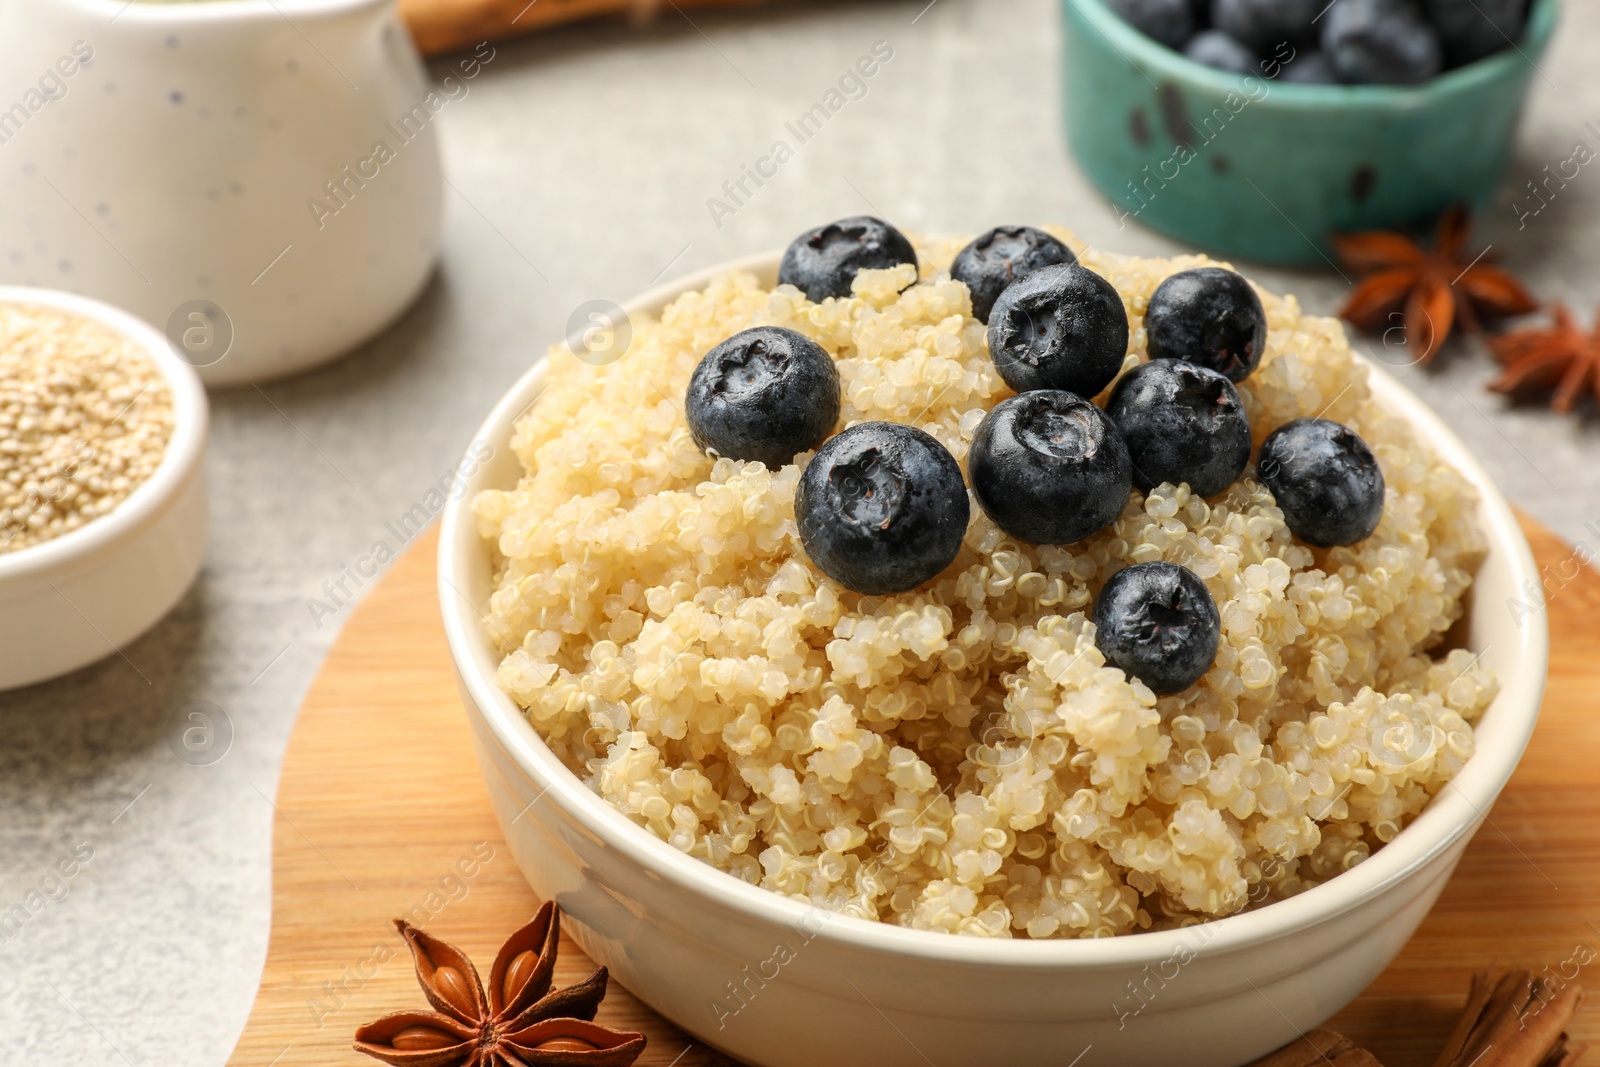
(258, 178)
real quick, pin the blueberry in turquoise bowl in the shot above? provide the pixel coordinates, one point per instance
(1213, 48)
(1275, 124)
(1260, 25)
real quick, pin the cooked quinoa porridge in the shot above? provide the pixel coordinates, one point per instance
(960, 757)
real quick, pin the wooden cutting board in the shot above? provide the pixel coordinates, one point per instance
(381, 812)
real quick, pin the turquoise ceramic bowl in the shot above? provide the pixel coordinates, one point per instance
(1259, 169)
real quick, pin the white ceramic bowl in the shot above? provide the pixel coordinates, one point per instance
(84, 595)
(775, 983)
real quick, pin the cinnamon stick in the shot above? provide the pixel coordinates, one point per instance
(440, 26)
(1511, 1019)
(1319, 1048)
(1515, 1019)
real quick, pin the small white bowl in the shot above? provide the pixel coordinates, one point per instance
(82, 596)
(776, 983)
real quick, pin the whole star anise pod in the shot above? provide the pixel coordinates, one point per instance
(1434, 287)
(1563, 357)
(519, 1022)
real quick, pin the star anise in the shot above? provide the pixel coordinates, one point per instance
(520, 1022)
(1563, 357)
(1434, 287)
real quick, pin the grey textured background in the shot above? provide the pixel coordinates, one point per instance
(581, 164)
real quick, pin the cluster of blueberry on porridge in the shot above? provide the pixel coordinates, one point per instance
(1006, 588)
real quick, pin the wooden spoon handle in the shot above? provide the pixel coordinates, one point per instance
(440, 26)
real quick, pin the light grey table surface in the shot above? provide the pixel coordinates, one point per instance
(581, 164)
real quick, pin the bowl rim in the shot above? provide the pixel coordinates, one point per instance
(185, 447)
(1146, 52)
(1455, 811)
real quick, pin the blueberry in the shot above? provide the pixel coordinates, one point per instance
(1169, 21)
(1382, 42)
(1472, 29)
(1309, 67)
(1217, 49)
(1060, 327)
(1182, 423)
(1264, 25)
(1325, 480)
(824, 261)
(765, 394)
(1208, 316)
(1049, 468)
(1000, 257)
(1158, 623)
(881, 508)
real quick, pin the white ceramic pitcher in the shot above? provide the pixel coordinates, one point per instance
(258, 178)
